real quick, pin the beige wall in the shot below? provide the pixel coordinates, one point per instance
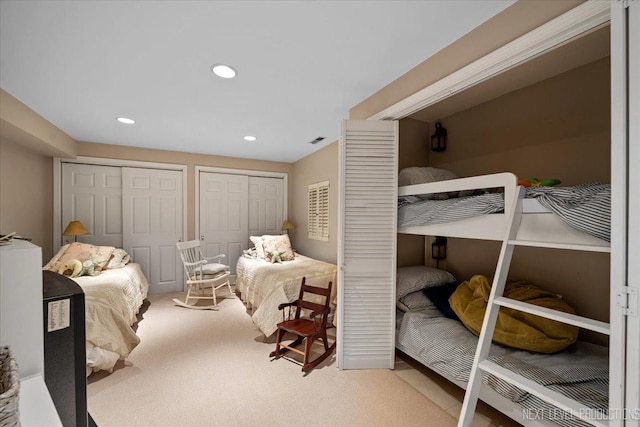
(192, 160)
(319, 166)
(19, 123)
(26, 194)
(413, 150)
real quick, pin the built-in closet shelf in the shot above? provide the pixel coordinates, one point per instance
(556, 399)
(569, 247)
(560, 316)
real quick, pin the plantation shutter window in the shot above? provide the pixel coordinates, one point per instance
(318, 215)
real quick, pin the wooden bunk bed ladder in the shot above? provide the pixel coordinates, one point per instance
(496, 300)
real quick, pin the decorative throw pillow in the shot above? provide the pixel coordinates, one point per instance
(53, 261)
(81, 251)
(418, 277)
(278, 243)
(257, 242)
(119, 259)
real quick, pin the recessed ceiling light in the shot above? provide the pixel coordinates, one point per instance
(125, 120)
(250, 138)
(224, 71)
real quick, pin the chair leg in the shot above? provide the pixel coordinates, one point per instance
(324, 340)
(307, 352)
(229, 286)
(186, 300)
(276, 352)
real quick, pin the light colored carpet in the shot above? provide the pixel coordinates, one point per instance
(198, 367)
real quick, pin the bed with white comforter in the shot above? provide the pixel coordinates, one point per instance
(264, 285)
(114, 291)
(112, 302)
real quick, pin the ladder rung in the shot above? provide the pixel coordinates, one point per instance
(567, 246)
(563, 402)
(560, 316)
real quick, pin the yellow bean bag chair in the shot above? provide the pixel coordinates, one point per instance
(515, 328)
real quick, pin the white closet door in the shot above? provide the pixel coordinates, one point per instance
(152, 210)
(266, 205)
(92, 195)
(367, 244)
(223, 217)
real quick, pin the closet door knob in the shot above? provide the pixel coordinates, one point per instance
(202, 237)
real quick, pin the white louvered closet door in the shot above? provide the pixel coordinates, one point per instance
(367, 244)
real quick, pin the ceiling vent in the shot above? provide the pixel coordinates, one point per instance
(318, 139)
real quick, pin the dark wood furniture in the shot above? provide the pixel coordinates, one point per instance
(307, 329)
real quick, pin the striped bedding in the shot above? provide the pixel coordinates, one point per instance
(446, 346)
(585, 207)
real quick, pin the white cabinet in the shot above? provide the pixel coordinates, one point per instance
(21, 328)
(21, 325)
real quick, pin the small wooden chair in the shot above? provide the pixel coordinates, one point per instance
(306, 329)
(202, 275)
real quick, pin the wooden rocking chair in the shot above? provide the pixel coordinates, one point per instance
(203, 276)
(306, 329)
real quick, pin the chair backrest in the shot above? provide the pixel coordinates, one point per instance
(314, 306)
(190, 253)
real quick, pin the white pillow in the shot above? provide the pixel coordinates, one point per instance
(418, 175)
(257, 242)
(418, 277)
(415, 301)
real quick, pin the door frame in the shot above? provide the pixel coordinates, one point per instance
(228, 171)
(98, 161)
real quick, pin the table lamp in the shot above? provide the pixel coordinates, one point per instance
(75, 228)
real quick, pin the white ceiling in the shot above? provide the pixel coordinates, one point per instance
(301, 66)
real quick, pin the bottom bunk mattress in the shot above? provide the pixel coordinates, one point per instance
(580, 372)
(264, 285)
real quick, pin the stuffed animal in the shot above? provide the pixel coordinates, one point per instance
(276, 257)
(89, 267)
(534, 182)
(71, 268)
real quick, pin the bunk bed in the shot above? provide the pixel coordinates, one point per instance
(448, 348)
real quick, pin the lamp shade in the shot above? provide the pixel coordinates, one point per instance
(75, 228)
(287, 225)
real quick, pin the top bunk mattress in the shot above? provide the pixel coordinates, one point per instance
(585, 207)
